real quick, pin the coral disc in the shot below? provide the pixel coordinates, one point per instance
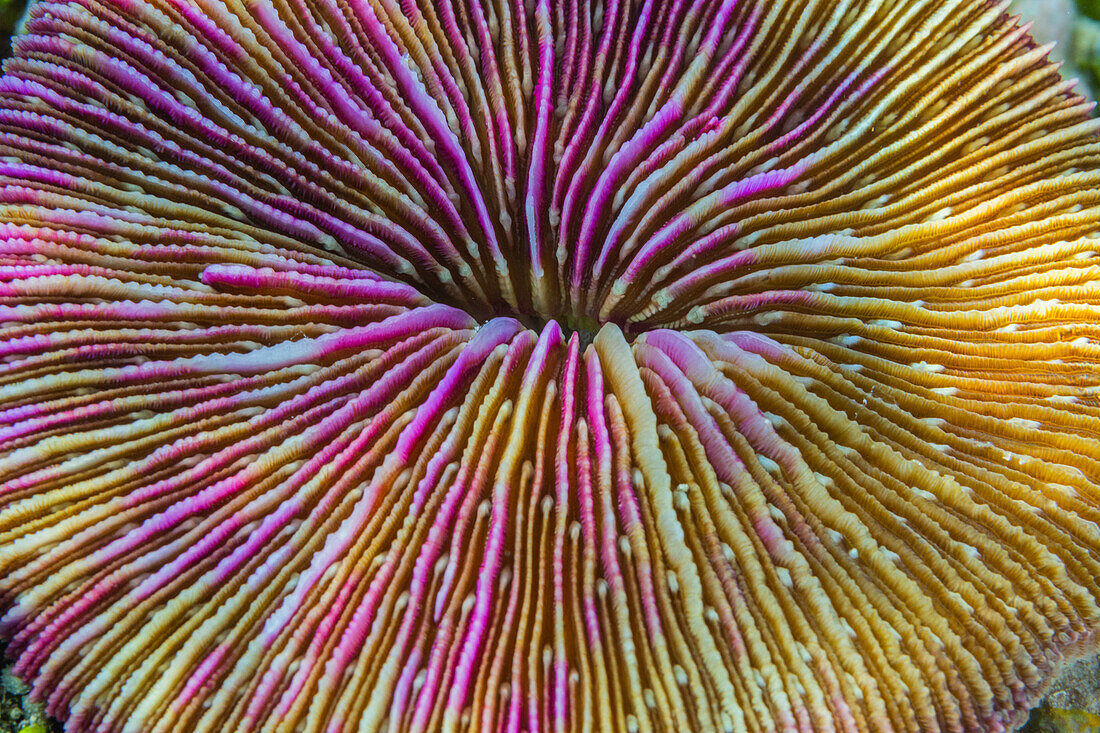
(545, 365)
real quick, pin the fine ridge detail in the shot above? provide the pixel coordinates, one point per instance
(629, 366)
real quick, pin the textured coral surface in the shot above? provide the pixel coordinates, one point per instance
(517, 365)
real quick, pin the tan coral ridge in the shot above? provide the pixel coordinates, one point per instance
(502, 365)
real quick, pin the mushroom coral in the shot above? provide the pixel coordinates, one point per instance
(517, 365)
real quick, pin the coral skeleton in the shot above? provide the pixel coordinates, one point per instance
(545, 365)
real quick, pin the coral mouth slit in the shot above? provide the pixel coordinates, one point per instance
(486, 365)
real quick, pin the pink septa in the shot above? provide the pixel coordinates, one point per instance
(534, 205)
(404, 686)
(550, 340)
(496, 332)
(374, 290)
(563, 490)
(724, 197)
(202, 674)
(269, 525)
(519, 350)
(427, 109)
(275, 676)
(269, 358)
